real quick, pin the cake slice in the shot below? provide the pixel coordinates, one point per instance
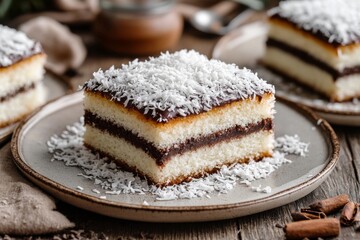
(178, 116)
(21, 72)
(317, 43)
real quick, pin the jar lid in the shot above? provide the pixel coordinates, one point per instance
(137, 6)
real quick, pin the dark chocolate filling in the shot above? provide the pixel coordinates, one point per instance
(317, 34)
(304, 56)
(16, 92)
(162, 155)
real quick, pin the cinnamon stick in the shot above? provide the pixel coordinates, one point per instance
(350, 214)
(307, 214)
(328, 227)
(331, 204)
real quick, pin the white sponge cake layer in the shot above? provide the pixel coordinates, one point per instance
(162, 135)
(348, 87)
(22, 104)
(181, 166)
(342, 89)
(337, 57)
(23, 73)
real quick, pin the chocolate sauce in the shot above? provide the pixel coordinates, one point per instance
(162, 155)
(16, 92)
(304, 56)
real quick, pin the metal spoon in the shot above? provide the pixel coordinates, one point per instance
(211, 20)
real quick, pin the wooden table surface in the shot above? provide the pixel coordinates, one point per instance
(344, 179)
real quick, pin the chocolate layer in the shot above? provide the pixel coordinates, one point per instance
(16, 92)
(162, 155)
(156, 113)
(306, 57)
(318, 34)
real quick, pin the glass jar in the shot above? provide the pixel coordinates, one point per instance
(138, 27)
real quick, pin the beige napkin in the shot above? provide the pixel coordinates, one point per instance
(65, 50)
(24, 209)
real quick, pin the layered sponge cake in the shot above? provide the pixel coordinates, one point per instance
(178, 116)
(21, 72)
(317, 43)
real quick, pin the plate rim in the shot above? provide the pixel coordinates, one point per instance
(216, 53)
(326, 128)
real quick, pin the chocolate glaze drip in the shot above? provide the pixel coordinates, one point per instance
(162, 155)
(310, 59)
(168, 115)
(16, 92)
(317, 34)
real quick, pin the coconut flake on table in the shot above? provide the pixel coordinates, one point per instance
(337, 20)
(15, 45)
(68, 147)
(182, 83)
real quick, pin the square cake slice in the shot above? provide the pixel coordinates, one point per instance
(317, 43)
(21, 72)
(178, 116)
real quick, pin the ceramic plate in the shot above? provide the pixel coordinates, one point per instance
(289, 183)
(54, 86)
(246, 45)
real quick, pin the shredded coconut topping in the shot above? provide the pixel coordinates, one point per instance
(69, 148)
(292, 145)
(337, 20)
(177, 84)
(15, 45)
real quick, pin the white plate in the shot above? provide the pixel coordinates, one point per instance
(289, 183)
(55, 88)
(246, 45)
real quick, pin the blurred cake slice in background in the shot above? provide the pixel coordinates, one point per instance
(21, 72)
(317, 43)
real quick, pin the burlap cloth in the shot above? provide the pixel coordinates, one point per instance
(24, 209)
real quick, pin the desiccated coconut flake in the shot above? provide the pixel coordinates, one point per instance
(266, 189)
(79, 188)
(291, 145)
(95, 191)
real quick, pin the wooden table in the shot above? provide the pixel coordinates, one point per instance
(344, 179)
